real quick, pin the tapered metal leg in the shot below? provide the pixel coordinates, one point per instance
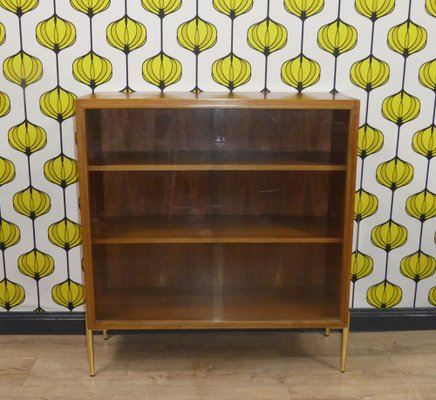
(105, 334)
(90, 350)
(344, 348)
(327, 332)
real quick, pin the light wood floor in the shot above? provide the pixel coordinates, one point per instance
(224, 365)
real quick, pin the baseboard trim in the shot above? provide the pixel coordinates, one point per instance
(362, 320)
(401, 319)
(47, 323)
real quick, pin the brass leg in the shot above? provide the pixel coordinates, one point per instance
(327, 332)
(105, 335)
(344, 348)
(90, 349)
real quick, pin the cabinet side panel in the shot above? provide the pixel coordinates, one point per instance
(353, 129)
(81, 121)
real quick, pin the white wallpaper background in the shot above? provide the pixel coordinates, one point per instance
(381, 51)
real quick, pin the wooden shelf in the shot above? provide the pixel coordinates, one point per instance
(217, 308)
(215, 161)
(214, 229)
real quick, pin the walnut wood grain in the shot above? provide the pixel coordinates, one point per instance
(217, 210)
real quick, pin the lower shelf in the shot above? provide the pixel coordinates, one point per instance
(155, 308)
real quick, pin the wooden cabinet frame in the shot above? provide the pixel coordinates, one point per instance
(217, 211)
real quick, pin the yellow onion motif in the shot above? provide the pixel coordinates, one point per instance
(32, 202)
(394, 173)
(401, 107)
(337, 37)
(369, 73)
(22, 69)
(366, 204)
(19, 7)
(7, 171)
(197, 35)
(61, 170)
(162, 70)
(427, 74)
(5, 104)
(36, 264)
(370, 141)
(384, 295)
(418, 266)
(2, 34)
(65, 234)
(68, 294)
(92, 70)
(161, 7)
(267, 36)
(233, 8)
(90, 7)
(231, 71)
(9, 234)
(424, 142)
(300, 72)
(374, 9)
(11, 294)
(432, 296)
(126, 34)
(27, 137)
(361, 266)
(389, 236)
(304, 8)
(422, 205)
(407, 38)
(430, 7)
(56, 33)
(58, 104)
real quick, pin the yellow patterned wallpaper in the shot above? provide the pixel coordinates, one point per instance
(381, 51)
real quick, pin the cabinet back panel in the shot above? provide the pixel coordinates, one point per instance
(173, 130)
(142, 193)
(160, 266)
(201, 267)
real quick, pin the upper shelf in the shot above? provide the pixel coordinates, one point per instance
(215, 161)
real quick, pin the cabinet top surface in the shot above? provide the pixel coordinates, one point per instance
(217, 99)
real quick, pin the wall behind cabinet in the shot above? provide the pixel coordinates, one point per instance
(379, 51)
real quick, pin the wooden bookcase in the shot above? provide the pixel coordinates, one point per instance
(217, 210)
